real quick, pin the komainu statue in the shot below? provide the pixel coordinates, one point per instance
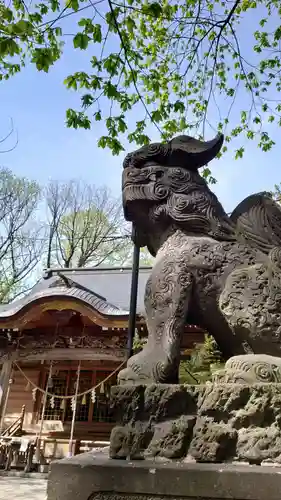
(220, 272)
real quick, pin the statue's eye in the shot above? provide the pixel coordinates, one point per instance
(156, 175)
(159, 174)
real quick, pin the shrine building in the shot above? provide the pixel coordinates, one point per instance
(61, 348)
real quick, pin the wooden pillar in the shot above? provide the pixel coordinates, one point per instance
(44, 403)
(5, 379)
(70, 444)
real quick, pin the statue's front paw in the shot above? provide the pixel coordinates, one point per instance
(230, 376)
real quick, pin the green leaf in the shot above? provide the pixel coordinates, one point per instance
(111, 91)
(130, 23)
(97, 33)
(43, 8)
(58, 31)
(6, 14)
(77, 120)
(179, 106)
(206, 173)
(44, 58)
(8, 47)
(156, 116)
(70, 82)
(81, 41)
(250, 134)
(102, 142)
(55, 5)
(239, 153)
(97, 116)
(74, 4)
(23, 27)
(84, 22)
(87, 100)
(153, 9)
(122, 126)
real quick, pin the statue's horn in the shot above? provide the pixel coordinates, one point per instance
(193, 153)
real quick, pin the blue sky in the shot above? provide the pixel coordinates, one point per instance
(47, 149)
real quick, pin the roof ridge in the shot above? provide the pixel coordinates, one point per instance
(49, 271)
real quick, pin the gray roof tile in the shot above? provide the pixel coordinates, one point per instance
(105, 290)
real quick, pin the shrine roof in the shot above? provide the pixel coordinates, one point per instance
(106, 290)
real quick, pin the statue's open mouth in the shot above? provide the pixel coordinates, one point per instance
(136, 207)
(142, 185)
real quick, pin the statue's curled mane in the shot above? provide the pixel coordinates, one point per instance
(163, 183)
(180, 198)
(258, 221)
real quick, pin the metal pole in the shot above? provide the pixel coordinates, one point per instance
(134, 294)
(74, 411)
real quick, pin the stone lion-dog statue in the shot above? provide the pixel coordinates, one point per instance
(220, 272)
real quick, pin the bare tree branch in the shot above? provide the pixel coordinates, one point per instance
(20, 248)
(6, 137)
(86, 224)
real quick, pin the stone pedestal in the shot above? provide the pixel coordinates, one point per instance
(211, 442)
(93, 477)
(211, 423)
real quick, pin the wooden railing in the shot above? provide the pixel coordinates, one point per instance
(37, 454)
(12, 454)
(15, 429)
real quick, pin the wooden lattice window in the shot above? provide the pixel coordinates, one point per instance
(84, 402)
(101, 410)
(54, 407)
(64, 383)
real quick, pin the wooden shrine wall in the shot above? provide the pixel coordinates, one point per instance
(19, 396)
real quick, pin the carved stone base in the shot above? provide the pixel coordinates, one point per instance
(92, 477)
(211, 423)
(249, 369)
